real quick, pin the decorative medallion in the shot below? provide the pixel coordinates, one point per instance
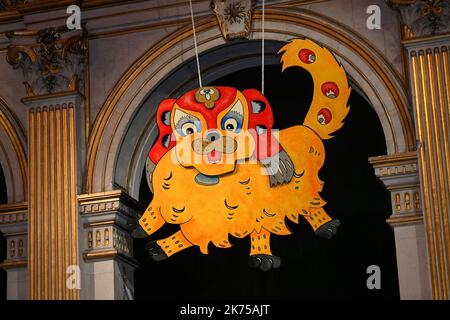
(324, 116)
(330, 89)
(234, 17)
(208, 96)
(307, 56)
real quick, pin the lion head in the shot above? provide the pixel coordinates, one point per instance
(213, 128)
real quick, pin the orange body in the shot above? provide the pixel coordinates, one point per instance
(243, 202)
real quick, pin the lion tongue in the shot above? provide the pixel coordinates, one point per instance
(214, 156)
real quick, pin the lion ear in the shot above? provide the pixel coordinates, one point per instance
(165, 112)
(261, 122)
(177, 115)
(164, 142)
(260, 110)
(165, 117)
(258, 106)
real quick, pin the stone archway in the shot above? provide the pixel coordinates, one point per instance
(124, 128)
(13, 213)
(365, 66)
(12, 155)
(216, 62)
(339, 172)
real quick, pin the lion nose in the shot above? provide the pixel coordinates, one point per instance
(213, 136)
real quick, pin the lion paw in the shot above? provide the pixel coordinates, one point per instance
(138, 232)
(264, 262)
(155, 251)
(329, 229)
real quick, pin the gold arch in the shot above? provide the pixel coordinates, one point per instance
(7, 121)
(205, 24)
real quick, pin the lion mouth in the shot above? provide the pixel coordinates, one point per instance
(214, 156)
(213, 151)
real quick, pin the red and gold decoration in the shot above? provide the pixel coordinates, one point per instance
(221, 168)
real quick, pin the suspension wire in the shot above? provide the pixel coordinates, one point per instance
(195, 45)
(263, 49)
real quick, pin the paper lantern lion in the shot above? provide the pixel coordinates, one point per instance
(221, 169)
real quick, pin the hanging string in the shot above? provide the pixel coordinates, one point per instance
(195, 45)
(263, 49)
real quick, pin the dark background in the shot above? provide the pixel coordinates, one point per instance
(311, 267)
(3, 200)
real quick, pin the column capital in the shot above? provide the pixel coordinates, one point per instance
(106, 243)
(399, 173)
(13, 217)
(107, 218)
(14, 226)
(422, 18)
(429, 43)
(51, 59)
(55, 99)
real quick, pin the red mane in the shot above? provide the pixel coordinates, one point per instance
(260, 121)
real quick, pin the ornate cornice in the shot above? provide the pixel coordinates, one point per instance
(14, 226)
(26, 6)
(399, 173)
(405, 219)
(110, 201)
(13, 264)
(13, 10)
(13, 213)
(37, 5)
(421, 18)
(391, 167)
(10, 4)
(51, 59)
(235, 16)
(108, 218)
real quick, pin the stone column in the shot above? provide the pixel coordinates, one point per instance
(53, 219)
(400, 175)
(106, 245)
(426, 39)
(51, 60)
(13, 224)
(430, 81)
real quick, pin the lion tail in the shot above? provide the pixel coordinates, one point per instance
(331, 90)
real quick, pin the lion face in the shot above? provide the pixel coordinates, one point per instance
(214, 137)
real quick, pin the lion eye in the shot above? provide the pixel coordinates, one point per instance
(230, 124)
(188, 128)
(186, 124)
(234, 119)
